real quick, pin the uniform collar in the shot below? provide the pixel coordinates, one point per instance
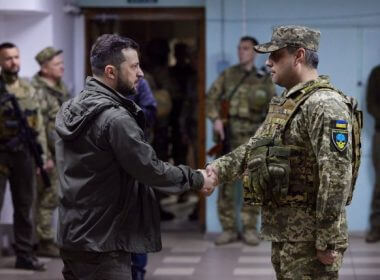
(253, 69)
(322, 79)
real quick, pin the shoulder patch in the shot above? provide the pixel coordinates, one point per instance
(339, 134)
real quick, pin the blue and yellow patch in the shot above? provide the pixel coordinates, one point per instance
(340, 124)
(339, 134)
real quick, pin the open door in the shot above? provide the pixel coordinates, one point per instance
(176, 26)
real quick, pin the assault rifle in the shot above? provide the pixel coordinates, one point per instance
(26, 134)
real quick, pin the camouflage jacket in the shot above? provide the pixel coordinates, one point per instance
(27, 98)
(247, 105)
(50, 100)
(373, 94)
(311, 128)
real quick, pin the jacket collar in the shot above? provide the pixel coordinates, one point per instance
(320, 80)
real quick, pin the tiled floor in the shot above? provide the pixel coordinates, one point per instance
(192, 256)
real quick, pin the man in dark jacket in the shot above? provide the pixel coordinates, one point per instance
(104, 213)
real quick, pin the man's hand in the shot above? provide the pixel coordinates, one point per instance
(49, 165)
(210, 182)
(327, 257)
(212, 171)
(219, 129)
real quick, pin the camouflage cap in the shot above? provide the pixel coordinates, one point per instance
(46, 54)
(291, 35)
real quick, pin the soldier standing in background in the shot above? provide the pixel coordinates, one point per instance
(373, 105)
(51, 93)
(302, 163)
(181, 74)
(247, 93)
(16, 162)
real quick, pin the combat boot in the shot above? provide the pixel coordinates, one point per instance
(29, 263)
(373, 235)
(47, 248)
(226, 237)
(251, 238)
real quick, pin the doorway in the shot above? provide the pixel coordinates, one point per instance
(165, 35)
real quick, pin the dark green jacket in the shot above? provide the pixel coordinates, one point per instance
(106, 170)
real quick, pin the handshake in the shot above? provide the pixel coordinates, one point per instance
(210, 176)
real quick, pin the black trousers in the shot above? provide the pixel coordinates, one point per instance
(19, 169)
(82, 265)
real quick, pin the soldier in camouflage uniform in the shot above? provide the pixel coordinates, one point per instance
(16, 162)
(302, 163)
(52, 93)
(248, 93)
(373, 105)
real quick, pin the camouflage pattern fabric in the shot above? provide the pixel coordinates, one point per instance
(18, 166)
(248, 107)
(46, 202)
(322, 218)
(226, 209)
(373, 105)
(27, 98)
(46, 54)
(298, 261)
(50, 100)
(291, 35)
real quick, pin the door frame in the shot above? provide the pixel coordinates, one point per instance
(166, 14)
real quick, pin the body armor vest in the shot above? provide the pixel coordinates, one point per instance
(10, 123)
(284, 175)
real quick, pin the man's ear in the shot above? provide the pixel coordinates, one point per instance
(300, 56)
(43, 69)
(110, 72)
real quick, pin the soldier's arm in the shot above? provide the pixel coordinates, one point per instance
(334, 166)
(213, 98)
(232, 165)
(40, 126)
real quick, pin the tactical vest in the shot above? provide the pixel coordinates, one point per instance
(273, 165)
(9, 122)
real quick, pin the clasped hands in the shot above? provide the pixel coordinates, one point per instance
(210, 176)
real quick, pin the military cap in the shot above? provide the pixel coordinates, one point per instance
(291, 35)
(46, 54)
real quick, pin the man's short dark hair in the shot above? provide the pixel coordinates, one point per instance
(249, 38)
(107, 50)
(7, 45)
(311, 57)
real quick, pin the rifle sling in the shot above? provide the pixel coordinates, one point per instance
(234, 90)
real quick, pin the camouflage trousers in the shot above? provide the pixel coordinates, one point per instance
(47, 202)
(228, 204)
(375, 205)
(298, 261)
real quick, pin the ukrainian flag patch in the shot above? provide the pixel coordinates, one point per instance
(339, 134)
(340, 124)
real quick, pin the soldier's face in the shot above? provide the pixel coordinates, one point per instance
(246, 52)
(54, 68)
(129, 72)
(281, 65)
(10, 60)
